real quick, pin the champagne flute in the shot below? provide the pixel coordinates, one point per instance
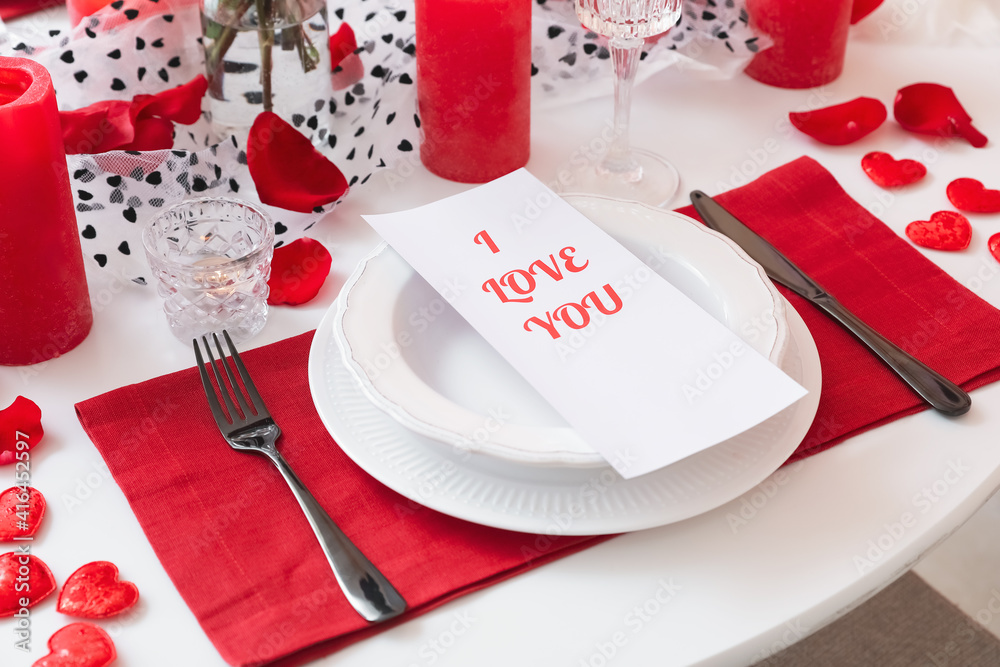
(625, 172)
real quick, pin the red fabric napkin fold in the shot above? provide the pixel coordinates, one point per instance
(803, 211)
(10, 9)
(234, 542)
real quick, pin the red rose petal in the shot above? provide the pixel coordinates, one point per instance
(350, 71)
(79, 645)
(95, 591)
(930, 108)
(20, 428)
(288, 171)
(994, 245)
(39, 580)
(891, 173)
(98, 128)
(119, 125)
(21, 512)
(298, 271)
(342, 44)
(151, 134)
(946, 230)
(181, 104)
(346, 64)
(841, 124)
(968, 194)
(862, 8)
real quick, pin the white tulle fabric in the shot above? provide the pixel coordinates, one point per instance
(146, 46)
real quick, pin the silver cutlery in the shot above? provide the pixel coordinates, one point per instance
(251, 428)
(942, 394)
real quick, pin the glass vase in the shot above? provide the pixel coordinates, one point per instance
(267, 55)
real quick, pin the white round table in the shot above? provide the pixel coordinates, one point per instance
(725, 588)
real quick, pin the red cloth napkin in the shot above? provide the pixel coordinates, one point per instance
(887, 282)
(235, 543)
(233, 540)
(13, 8)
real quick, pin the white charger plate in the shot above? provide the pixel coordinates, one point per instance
(402, 341)
(554, 500)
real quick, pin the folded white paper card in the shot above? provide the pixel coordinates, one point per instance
(537, 271)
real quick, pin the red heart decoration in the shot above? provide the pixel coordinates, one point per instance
(79, 645)
(298, 270)
(21, 512)
(22, 416)
(994, 244)
(841, 123)
(39, 580)
(946, 230)
(968, 194)
(891, 173)
(94, 591)
(288, 171)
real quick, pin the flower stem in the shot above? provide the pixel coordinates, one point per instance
(214, 58)
(266, 35)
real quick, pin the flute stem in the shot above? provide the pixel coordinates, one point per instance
(625, 54)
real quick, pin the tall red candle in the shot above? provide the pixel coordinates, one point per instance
(810, 40)
(474, 86)
(44, 303)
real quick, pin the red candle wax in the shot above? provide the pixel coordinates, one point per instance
(474, 86)
(78, 9)
(810, 39)
(44, 303)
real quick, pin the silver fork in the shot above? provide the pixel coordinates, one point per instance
(368, 591)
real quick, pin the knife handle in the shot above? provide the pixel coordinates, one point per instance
(941, 393)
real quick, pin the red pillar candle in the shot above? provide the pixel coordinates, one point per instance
(810, 39)
(474, 86)
(44, 303)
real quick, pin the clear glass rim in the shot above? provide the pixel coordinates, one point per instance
(264, 244)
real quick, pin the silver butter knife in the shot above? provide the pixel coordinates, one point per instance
(942, 394)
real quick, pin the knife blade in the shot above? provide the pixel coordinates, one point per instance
(941, 393)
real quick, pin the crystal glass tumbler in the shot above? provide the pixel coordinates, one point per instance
(211, 258)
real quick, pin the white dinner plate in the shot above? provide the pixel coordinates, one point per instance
(425, 366)
(554, 500)
(568, 500)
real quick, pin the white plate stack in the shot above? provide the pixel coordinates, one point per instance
(421, 401)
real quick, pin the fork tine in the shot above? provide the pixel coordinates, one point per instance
(234, 416)
(206, 382)
(247, 410)
(258, 403)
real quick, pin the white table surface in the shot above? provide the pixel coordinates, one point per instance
(735, 595)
